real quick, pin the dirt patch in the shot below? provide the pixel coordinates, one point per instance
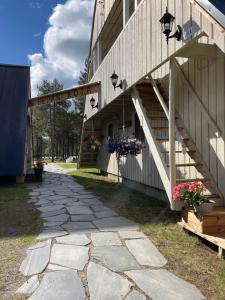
(19, 224)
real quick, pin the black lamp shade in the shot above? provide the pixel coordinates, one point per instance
(167, 23)
(92, 101)
(114, 79)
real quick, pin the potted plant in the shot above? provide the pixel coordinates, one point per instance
(38, 169)
(192, 195)
(94, 143)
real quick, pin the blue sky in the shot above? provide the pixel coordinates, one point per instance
(52, 36)
(22, 26)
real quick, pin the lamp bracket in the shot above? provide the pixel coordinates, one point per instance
(120, 85)
(178, 34)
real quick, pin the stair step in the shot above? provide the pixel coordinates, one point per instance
(149, 109)
(180, 180)
(179, 151)
(187, 165)
(158, 118)
(213, 196)
(167, 140)
(160, 128)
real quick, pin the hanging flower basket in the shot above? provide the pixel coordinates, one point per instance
(124, 146)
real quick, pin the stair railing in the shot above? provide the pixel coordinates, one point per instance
(196, 98)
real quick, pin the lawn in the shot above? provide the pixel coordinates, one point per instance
(19, 224)
(67, 165)
(188, 257)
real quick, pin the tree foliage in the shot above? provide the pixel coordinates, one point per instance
(56, 126)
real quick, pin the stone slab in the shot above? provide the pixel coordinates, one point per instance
(29, 286)
(163, 285)
(82, 231)
(104, 284)
(57, 268)
(146, 253)
(55, 225)
(93, 201)
(61, 217)
(37, 259)
(126, 235)
(60, 285)
(50, 234)
(99, 207)
(70, 256)
(50, 208)
(82, 218)
(135, 295)
(115, 258)
(74, 239)
(78, 225)
(53, 213)
(105, 239)
(115, 224)
(79, 210)
(105, 214)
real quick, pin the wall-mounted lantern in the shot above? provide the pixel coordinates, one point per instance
(82, 116)
(92, 101)
(114, 79)
(167, 21)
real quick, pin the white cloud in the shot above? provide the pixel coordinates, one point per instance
(37, 34)
(66, 44)
(35, 4)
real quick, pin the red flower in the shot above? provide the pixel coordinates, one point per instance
(176, 196)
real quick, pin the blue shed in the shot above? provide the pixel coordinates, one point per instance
(14, 95)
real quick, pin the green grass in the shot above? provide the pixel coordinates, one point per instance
(19, 225)
(67, 165)
(188, 257)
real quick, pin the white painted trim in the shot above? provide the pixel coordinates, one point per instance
(125, 12)
(172, 164)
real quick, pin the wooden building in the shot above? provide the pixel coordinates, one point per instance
(15, 129)
(174, 92)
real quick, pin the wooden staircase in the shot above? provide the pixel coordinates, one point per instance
(189, 165)
(88, 159)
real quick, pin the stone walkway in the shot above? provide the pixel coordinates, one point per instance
(89, 252)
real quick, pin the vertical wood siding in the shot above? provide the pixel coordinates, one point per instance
(139, 49)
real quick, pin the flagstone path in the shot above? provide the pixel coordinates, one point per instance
(89, 252)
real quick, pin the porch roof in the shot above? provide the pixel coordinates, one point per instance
(82, 90)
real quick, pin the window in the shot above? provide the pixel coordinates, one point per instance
(110, 131)
(138, 131)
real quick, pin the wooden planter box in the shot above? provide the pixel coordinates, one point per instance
(210, 223)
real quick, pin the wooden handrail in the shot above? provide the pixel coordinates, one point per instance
(160, 97)
(197, 99)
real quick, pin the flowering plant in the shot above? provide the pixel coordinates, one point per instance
(190, 193)
(124, 146)
(39, 164)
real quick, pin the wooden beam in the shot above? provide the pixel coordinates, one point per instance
(149, 134)
(82, 90)
(172, 168)
(198, 50)
(126, 6)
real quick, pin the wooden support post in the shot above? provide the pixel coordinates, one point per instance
(220, 252)
(172, 166)
(126, 6)
(135, 4)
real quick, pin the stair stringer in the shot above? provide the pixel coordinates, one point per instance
(153, 145)
(197, 157)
